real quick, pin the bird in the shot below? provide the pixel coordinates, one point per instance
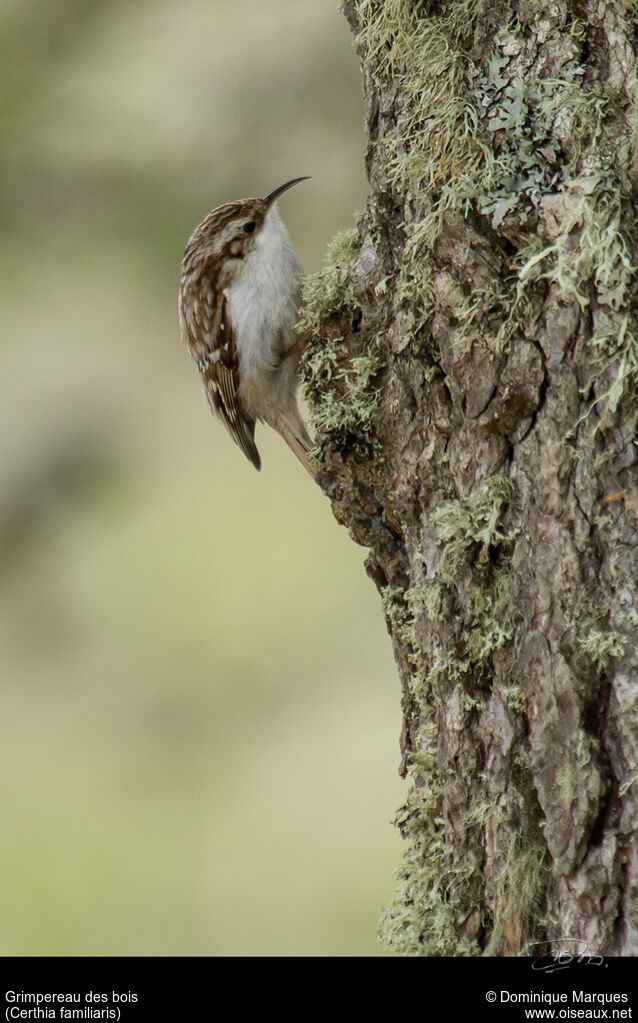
(239, 299)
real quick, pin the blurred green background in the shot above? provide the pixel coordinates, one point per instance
(200, 711)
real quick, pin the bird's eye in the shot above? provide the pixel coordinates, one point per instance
(249, 227)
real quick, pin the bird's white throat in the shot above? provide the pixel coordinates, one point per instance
(263, 298)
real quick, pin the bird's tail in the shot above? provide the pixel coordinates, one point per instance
(293, 430)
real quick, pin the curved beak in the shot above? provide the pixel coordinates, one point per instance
(272, 196)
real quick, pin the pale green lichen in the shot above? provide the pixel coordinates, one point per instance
(421, 919)
(519, 898)
(346, 396)
(403, 609)
(515, 698)
(583, 217)
(532, 120)
(436, 140)
(330, 290)
(602, 645)
(566, 782)
(518, 136)
(458, 524)
(520, 887)
(578, 113)
(523, 138)
(349, 397)
(590, 211)
(491, 623)
(593, 237)
(436, 137)
(477, 523)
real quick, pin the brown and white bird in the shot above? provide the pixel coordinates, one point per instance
(238, 304)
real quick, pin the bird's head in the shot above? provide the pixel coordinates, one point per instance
(231, 232)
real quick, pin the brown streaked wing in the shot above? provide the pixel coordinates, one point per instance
(220, 372)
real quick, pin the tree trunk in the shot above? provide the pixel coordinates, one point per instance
(472, 382)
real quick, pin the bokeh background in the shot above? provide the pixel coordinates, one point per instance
(200, 712)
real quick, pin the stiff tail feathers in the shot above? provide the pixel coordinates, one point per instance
(296, 437)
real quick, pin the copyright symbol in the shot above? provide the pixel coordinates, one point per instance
(490, 996)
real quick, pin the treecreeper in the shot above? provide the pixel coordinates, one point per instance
(238, 305)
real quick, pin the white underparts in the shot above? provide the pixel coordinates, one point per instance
(263, 303)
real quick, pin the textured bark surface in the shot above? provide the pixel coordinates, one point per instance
(473, 380)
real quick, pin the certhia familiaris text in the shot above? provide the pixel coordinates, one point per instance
(238, 303)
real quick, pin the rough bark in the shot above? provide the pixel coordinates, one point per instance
(472, 381)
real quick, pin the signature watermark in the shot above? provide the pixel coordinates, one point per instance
(567, 952)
